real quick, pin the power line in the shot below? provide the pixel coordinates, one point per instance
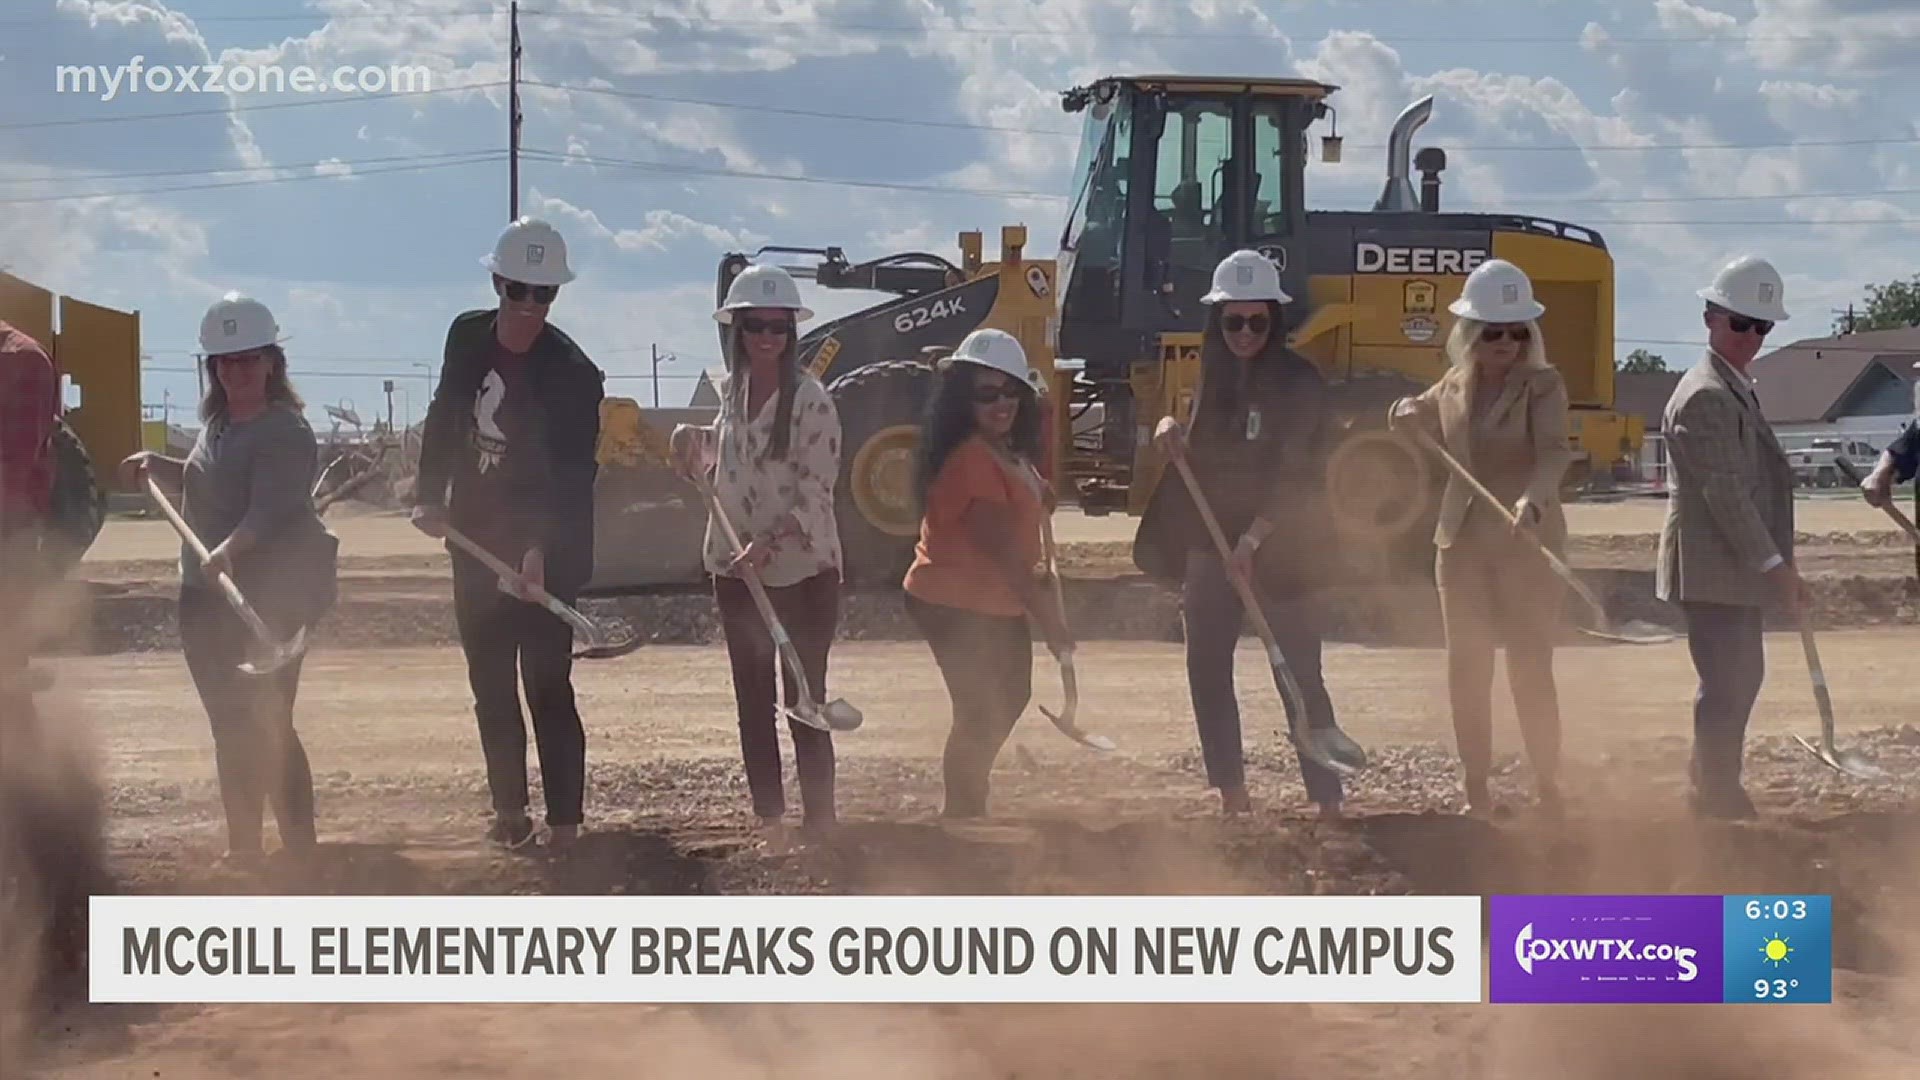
(824, 114)
(817, 114)
(1702, 345)
(297, 374)
(488, 158)
(743, 174)
(127, 118)
(65, 177)
(330, 359)
(681, 20)
(678, 20)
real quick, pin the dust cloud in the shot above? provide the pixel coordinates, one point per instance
(52, 812)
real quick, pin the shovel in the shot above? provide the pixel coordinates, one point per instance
(1846, 469)
(1303, 741)
(1069, 684)
(1606, 631)
(273, 654)
(836, 715)
(600, 645)
(1851, 762)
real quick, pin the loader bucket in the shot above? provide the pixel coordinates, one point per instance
(649, 524)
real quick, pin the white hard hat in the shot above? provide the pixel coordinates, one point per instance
(1000, 351)
(1497, 292)
(531, 251)
(237, 323)
(763, 285)
(1246, 275)
(1750, 286)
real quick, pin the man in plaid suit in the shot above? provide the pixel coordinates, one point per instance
(1727, 543)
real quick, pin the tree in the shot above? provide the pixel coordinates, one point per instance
(1640, 361)
(1889, 307)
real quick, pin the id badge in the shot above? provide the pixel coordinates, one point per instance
(1253, 424)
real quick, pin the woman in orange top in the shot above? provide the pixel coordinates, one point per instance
(976, 573)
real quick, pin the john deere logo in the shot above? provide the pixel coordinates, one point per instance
(1418, 298)
(1245, 275)
(1510, 294)
(229, 327)
(536, 253)
(767, 287)
(1766, 291)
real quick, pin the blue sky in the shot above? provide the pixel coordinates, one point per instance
(663, 135)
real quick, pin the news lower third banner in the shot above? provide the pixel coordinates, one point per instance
(1660, 949)
(776, 949)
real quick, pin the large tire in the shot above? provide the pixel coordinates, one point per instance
(875, 507)
(79, 507)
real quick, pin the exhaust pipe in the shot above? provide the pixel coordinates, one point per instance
(1399, 193)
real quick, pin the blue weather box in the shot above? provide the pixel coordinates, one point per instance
(1778, 949)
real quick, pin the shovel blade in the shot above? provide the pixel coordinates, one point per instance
(609, 649)
(267, 662)
(1072, 731)
(1632, 633)
(800, 716)
(842, 716)
(1851, 762)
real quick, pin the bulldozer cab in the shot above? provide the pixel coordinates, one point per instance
(1173, 175)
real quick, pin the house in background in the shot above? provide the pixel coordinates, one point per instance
(1847, 394)
(1644, 394)
(1852, 384)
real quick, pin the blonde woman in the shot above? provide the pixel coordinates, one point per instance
(1501, 411)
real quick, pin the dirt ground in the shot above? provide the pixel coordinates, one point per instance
(371, 534)
(403, 809)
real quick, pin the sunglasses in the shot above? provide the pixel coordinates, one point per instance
(520, 290)
(1519, 332)
(243, 357)
(1740, 324)
(1254, 324)
(764, 326)
(987, 395)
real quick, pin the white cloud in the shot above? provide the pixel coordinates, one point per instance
(1681, 17)
(664, 229)
(138, 26)
(112, 252)
(1858, 37)
(332, 167)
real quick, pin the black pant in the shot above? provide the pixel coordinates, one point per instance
(1214, 617)
(810, 612)
(987, 662)
(1730, 658)
(257, 753)
(502, 636)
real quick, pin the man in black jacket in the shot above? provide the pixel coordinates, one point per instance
(513, 428)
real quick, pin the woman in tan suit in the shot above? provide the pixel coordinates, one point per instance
(1501, 411)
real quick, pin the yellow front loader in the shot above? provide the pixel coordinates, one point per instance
(1174, 173)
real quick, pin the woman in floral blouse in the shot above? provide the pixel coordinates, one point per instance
(774, 452)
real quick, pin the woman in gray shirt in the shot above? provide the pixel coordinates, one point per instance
(246, 492)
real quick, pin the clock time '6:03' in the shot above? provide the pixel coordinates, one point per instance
(1781, 908)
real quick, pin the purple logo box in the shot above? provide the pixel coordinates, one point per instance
(1605, 949)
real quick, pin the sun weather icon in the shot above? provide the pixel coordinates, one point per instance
(1776, 950)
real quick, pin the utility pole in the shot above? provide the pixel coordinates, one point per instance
(513, 112)
(389, 387)
(1848, 315)
(656, 374)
